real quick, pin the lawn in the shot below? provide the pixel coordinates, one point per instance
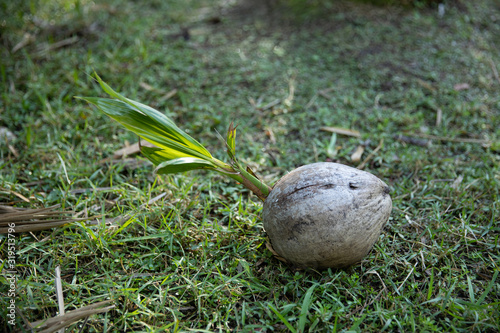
(187, 252)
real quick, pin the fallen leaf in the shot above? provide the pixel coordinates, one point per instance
(324, 93)
(439, 117)
(270, 104)
(168, 95)
(412, 140)
(457, 182)
(46, 48)
(252, 102)
(20, 196)
(270, 134)
(356, 156)
(426, 85)
(275, 254)
(7, 135)
(339, 130)
(461, 86)
(27, 39)
(131, 150)
(165, 96)
(13, 150)
(147, 86)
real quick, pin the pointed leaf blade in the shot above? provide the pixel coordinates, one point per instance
(155, 132)
(231, 139)
(182, 164)
(158, 155)
(154, 117)
(153, 114)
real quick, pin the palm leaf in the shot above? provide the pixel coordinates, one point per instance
(182, 164)
(147, 122)
(175, 150)
(231, 140)
(159, 155)
(157, 117)
(160, 133)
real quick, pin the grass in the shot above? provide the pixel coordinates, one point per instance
(195, 259)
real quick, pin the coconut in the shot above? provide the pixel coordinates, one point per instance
(325, 215)
(319, 215)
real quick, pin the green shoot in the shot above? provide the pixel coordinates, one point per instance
(175, 150)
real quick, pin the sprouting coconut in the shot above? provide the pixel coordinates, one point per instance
(326, 215)
(320, 215)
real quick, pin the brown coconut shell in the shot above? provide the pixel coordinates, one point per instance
(325, 215)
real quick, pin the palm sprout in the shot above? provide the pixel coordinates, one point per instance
(175, 151)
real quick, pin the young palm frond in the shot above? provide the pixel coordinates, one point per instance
(175, 150)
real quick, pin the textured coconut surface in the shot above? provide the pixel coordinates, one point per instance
(326, 215)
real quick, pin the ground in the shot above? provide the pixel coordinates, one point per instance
(188, 252)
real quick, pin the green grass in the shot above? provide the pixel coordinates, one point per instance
(196, 259)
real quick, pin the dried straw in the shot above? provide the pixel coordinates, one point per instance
(16, 220)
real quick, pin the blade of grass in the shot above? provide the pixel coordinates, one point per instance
(64, 168)
(357, 323)
(306, 305)
(135, 239)
(283, 319)
(471, 290)
(448, 296)
(431, 283)
(488, 289)
(122, 227)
